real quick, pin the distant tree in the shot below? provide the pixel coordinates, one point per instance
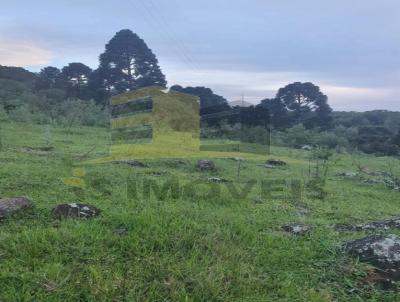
(376, 139)
(376, 117)
(98, 89)
(307, 104)
(48, 78)
(277, 111)
(13, 94)
(16, 74)
(209, 103)
(128, 63)
(298, 135)
(396, 139)
(76, 77)
(208, 99)
(323, 116)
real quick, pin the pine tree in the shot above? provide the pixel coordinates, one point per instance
(75, 77)
(48, 77)
(306, 104)
(128, 64)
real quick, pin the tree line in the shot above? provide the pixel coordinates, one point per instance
(78, 94)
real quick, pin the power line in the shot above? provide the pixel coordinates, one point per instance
(163, 29)
(173, 34)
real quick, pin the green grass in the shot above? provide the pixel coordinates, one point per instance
(214, 248)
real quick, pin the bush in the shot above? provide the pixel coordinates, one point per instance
(81, 113)
(298, 135)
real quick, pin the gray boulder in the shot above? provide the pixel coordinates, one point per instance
(73, 209)
(307, 147)
(346, 174)
(371, 226)
(216, 179)
(9, 206)
(275, 162)
(382, 251)
(206, 165)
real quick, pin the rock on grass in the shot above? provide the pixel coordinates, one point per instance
(78, 210)
(9, 206)
(216, 179)
(275, 163)
(346, 174)
(371, 226)
(382, 251)
(297, 229)
(206, 165)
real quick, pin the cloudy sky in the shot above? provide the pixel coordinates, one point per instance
(350, 48)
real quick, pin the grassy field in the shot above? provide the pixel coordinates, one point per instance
(194, 248)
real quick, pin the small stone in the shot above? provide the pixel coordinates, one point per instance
(275, 162)
(296, 229)
(216, 179)
(75, 210)
(9, 206)
(206, 165)
(346, 174)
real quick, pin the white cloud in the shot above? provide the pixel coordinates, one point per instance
(23, 53)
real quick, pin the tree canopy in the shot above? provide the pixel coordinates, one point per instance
(307, 104)
(128, 63)
(207, 97)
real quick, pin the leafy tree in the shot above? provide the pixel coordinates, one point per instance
(16, 74)
(76, 79)
(13, 94)
(48, 78)
(277, 111)
(298, 135)
(396, 139)
(209, 103)
(349, 119)
(128, 63)
(208, 99)
(376, 139)
(307, 104)
(376, 117)
(322, 117)
(98, 90)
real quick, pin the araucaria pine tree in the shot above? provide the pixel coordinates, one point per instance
(128, 63)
